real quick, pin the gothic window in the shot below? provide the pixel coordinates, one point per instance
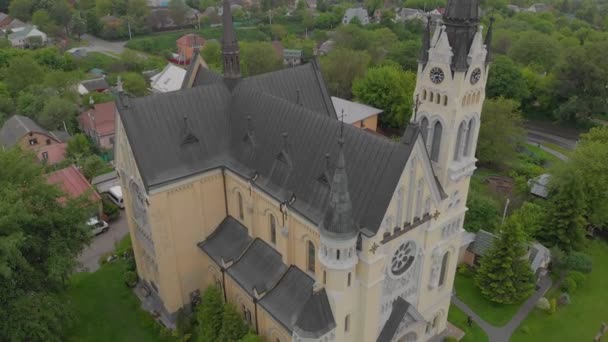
(427, 205)
(459, 140)
(438, 100)
(419, 203)
(311, 257)
(338, 254)
(432, 97)
(324, 277)
(444, 267)
(424, 95)
(399, 207)
(273, 229)
(346, 323)
(445, 100)
(410, 194)
(437, 132)
(403, 258)
(468, 146)
(239, 198)
(424, 128)
(348, 279)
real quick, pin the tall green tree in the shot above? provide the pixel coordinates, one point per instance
(22, 72)
(233, 327)
(565, 227)
(79, 147)
(506, 80)
(341, 67)
(178, 11)
(258, 58)
(537, 49)
(388, 88)
(56, 112)
(21, 9)
(212, 55)
(78, 24)
(134, 83)
(40, 239)
(209, 315)
(500, 132)
(504, 275)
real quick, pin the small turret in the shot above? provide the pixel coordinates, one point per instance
(230, 45)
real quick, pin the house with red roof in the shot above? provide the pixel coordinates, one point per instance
(73, 184)
(187, 44)
(98, 123)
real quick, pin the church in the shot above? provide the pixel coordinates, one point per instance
(315, 230)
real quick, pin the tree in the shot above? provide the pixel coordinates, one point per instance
(21, 9)
(565, 225)
(233, 327)
(388, 88)
(134, 83)
(278, 31)
(535, 48)
(532, 217)
(483, 212)
(258, 58)
(93, 166)
(506, 80)
(251, 337)
(209, 315)
(40, 241)
(22, 72)
(61, 12)
(504, 275)
(341, 67)
(56, 112)
(406, 54)
(79, 147)
(212, 54)
(500, 132)
(178, 11)
(42, 19)
(78, 25)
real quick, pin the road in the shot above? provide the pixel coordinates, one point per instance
(99, 45)
(102, 244)
(540, 132)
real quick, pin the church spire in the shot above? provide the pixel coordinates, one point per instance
(488, 41)
(461, 19)
(230, 45)
(426, 42)
(338, 222)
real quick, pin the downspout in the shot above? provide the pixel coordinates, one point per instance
(255, 308)
(224, 286)
(225, 191)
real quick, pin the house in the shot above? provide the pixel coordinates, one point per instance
(98, 124)
(15, 24)
(539, 186)
(27, 36)
(78, 52)
(316, 230)
(74, 185)
(357, 114)
(99, 85)
(538, 255)
(97, 72)
(292, 57)
(5, 20)
(513, 8)
(22, 131)
(170, 79)
(405, 14)
(539, 8)
(357, 12)
(187, 45)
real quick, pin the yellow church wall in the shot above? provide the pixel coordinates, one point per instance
(269, 328)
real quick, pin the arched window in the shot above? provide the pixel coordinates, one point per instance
(438, 100)
(419, 202)
(346, 323)
(432, 97)
(324, 277)
(444, 267)
(240, 203)
(424, 95)
(459, 140)
(424, 129)
(478, 97)
(445, 100)
(311, 257)
(338, 254)
(273, 229)
(437, 132)
(348, 280)
(468, 146)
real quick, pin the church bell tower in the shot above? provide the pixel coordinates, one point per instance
(450, 90)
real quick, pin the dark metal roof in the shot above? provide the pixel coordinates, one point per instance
(462, 10)
(95, 84)
(461, 19)
(482, 243)
(315, 318)
(228, 241)
(426, 42)
(16, 127)
(204, 76)
(400, 309)
(259, 268)
(287, 298)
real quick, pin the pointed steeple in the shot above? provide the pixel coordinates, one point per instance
(461, 18)
(338, 222)
(488, 41)
(230, 45)
(426, 42)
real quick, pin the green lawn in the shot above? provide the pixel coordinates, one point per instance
(459, 319)
(493, 313)
(544, 154)
(106, 310)
(581, 320)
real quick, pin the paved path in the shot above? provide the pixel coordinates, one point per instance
(502, 334)
(102, 244)
(557, 154)
(111, 49)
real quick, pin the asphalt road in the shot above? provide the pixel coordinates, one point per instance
(102, 244)
(99, 45)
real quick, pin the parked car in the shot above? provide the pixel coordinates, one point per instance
(115, 195)
(97, 226)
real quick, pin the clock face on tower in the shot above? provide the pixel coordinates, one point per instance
(475, 76)
(436, 75)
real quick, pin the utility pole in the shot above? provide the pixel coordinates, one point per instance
(504, 214)
(270, 16)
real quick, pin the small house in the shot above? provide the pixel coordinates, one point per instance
(27, 36)
(99, 124)
(5, 20)
(78, 52)
(99, 85)
(357, 114)
(359, 13)
(187, 45)
(292, 57)
(539, 186)
(170, 79)
(48, 146)
(74, 185)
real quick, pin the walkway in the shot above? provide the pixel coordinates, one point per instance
(557, 154)
(502, 334)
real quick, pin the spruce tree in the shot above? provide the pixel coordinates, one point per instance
(209, 315)
(233, 327)
(504, 275)
(565, 227)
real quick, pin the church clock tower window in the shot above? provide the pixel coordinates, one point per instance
(435, 148)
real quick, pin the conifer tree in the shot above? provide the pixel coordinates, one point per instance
(233, 327)
(565, 225)
(209, 315)
(504, 275)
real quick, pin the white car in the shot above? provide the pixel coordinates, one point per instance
(115, 195)
(97, 226)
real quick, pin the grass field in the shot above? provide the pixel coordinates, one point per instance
(459, 319)
(493, 313)
(581, 320)
(106, 310)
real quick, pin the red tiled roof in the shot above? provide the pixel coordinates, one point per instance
(101, 119)
(55, 153)
(191, 39)
(73, 183)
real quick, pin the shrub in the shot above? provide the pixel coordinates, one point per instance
(450, 339)
(103, 259)
(578, 261)
(553, 308)
(130, 278)
(525, 329)
(568, 285)
(110, 209)
(543, 304)
(184, 323)
(578, 277)
(463, 269)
